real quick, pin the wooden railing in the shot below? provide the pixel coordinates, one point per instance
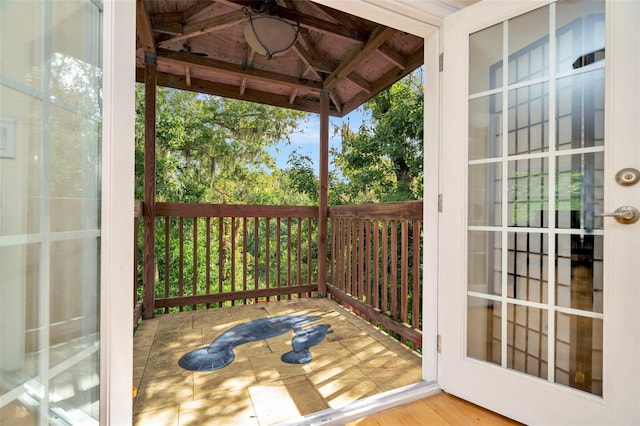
(376, 264)
(209, 255)
(213, 255)
(137, 261)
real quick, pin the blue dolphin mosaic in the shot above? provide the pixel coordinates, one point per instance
(220, 353)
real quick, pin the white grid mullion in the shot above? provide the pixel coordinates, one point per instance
(551, 319)
(505, 192)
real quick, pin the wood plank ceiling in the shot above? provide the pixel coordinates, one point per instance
(200, 46)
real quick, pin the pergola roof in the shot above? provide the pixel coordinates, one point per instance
(200, 46)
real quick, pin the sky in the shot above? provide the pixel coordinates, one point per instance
(308, 141)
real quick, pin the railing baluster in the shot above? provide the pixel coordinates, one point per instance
(417, 297)
(220, 256)
(394, 269)
(289, 254)
(361, 265)
(181, 261)
(195, 260)
(404, 271)
(167, 259)
(309, 264)
(207, 272)
(367, 247)
(376, 265)
(299, 254)
(385, 263)
(278, 255)
(245, 248)
(256, 255)
(267, 258)
(233, 257)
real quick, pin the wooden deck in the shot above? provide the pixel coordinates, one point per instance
(257, 388)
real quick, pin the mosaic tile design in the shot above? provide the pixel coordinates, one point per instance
(220, 353)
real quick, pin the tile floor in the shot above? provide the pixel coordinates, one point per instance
(257, 388)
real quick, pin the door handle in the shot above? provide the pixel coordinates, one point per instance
(625, 214)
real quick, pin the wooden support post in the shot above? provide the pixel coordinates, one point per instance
(323, 200)
(149, 273)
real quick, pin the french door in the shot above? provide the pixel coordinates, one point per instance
(538, 286)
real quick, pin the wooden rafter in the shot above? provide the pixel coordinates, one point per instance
(336, 101)
(313, 23)
(413, 61)
(194, 61)
(196, 9)
(227, 91)
(167, 22)
(207, 26)
(360, 82)
(378, 37)
(393, 56)
(143, 28)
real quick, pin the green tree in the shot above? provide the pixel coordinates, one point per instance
(211, 149)
(383, 159)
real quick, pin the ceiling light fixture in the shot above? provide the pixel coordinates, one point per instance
(269, 34)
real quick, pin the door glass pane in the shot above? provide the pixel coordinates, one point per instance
(578, 355)
(529, 119)
(529, 46)
(527, 266)
(50, 119)
(484, 327)
(485, 59)
(527, 340)
(551, 173)
(485, 195)
(485, 127)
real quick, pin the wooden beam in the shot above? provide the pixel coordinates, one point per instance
(360, 82)
(378, 37)
(393, 56)
(306, 59)
(170, 302)
(293, 96)
(149, 229)
(197, 9)
(323, 198)
(313, 23)
(336, 100)
(413, 61)
(233, 92)
(228, 68)
(207, 26)
(187, 75)
(143, 28)
(167, 22)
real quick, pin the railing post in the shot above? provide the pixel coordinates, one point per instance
(323, 195)
(148, 299)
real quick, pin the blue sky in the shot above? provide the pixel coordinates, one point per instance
(307, 142)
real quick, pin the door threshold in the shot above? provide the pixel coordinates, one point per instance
(368, 406)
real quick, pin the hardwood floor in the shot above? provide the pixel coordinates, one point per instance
(441, 409)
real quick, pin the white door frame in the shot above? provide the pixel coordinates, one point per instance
(116, 270)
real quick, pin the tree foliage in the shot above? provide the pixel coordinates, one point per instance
(383, 159)
(211, 149)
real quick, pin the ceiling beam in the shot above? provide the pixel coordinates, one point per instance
(143, 28)
(196, 9)
(312, 23)
(207, 26)
(360, 82)
(213, 65)
(413, 61)
(351, 62)
(167, 23)
(393, 56)
(227, 91)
